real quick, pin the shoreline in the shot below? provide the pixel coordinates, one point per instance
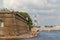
(28, 35)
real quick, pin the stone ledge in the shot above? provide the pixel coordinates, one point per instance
(28, 35)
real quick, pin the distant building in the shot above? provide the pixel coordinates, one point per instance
(12, 24)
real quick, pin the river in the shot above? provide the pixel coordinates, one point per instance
(45, 35)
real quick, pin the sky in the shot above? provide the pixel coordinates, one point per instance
(47, 11)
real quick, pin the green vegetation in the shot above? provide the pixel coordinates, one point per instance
(26, 15)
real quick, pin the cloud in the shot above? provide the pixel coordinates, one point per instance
(11, 4)
(50, 11)
(1, 3)
(52, 1)
(16, 4)
(52, 5)
(32, 3)
(26, 5)
(46, 10)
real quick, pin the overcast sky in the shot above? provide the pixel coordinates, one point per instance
(47, 11)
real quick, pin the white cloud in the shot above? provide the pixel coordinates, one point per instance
(44, 11)
(46, 17)
(24, 5)
(48, 11)
(39, 2)
(52, 5)
(11, 3)
(52, 1)
(1, 4)
(16, 3)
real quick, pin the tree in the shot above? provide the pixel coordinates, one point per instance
(25, 15)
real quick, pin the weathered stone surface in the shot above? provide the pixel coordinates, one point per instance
(13, 24)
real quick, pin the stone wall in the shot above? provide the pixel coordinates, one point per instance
(13, 24)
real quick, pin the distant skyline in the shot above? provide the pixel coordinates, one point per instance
(47, 11)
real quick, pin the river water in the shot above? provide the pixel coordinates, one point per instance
(45, 35)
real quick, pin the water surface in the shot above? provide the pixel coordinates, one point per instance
(45, 35)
